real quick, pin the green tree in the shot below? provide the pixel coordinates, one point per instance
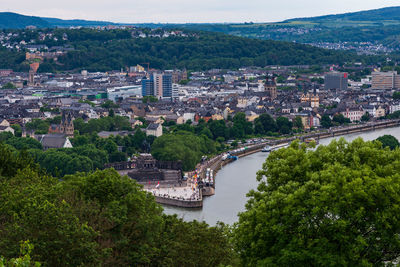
(218, 129)
(108, 104)
(24, 143)
(39, 126)
(17, 130)
(80, 140)
(97, 156)
(258, 128)
(182, 146)
(95, 219)
(365, 117)
(24, 260)
(9, 86)
(241, 127)
(394, 115)
(149, 99)
(267, 122)
(298, 123)
(340, 119)
(326, 121)
(336, 205)
(284, 125)
(396, 95)
(4, 136)
(114, 123)
(389, 141)
(117, 156)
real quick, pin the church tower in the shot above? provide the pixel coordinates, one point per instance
(67, 125)
(270, 87)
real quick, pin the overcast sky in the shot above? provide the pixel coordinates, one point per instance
(182, 11)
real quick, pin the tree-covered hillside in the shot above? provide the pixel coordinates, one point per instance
(205, 51)
(379, 25)
(377, 15)
(54, 22)
(10, 20)
(105, 50)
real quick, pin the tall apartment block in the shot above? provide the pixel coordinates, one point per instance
(147, 86)
(385, 80)
(336, 80)
(159, 85)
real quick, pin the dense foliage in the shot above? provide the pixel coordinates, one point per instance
(337, 205)
(389, 141)
(13, 59)
(106, 50)
(182, 146)
(89, 152)
(115, 123)
(8, 85)
(205, 51)
(96, 219)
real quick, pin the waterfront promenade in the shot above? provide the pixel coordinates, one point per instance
(187, 194)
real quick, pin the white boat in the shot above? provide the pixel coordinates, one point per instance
(266, 149)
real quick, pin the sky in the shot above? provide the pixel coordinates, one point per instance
(188, 11)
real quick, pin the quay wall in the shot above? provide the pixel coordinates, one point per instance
(179, 202)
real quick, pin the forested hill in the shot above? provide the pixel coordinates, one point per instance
(9, 20)
(54, 22)
(383, 14)
(378, 26)
(111, 50)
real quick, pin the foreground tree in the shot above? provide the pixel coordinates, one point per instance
(24, 260)
(389, 141)
(336, 206)
(97, 219)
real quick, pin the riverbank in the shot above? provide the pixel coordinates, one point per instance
(236, 179)
(216, 163)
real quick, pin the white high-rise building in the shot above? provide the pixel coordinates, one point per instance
(158, 84)
(385, 80)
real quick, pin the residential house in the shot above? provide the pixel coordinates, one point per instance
(154, 129)
(353, 113)
(4, 122)
(380, 112)
(394, 107)
(6, 129)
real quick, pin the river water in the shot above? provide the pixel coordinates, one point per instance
(236, 179)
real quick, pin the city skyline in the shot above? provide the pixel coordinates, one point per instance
(181, 11)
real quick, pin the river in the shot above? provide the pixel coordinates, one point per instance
(235, 180)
